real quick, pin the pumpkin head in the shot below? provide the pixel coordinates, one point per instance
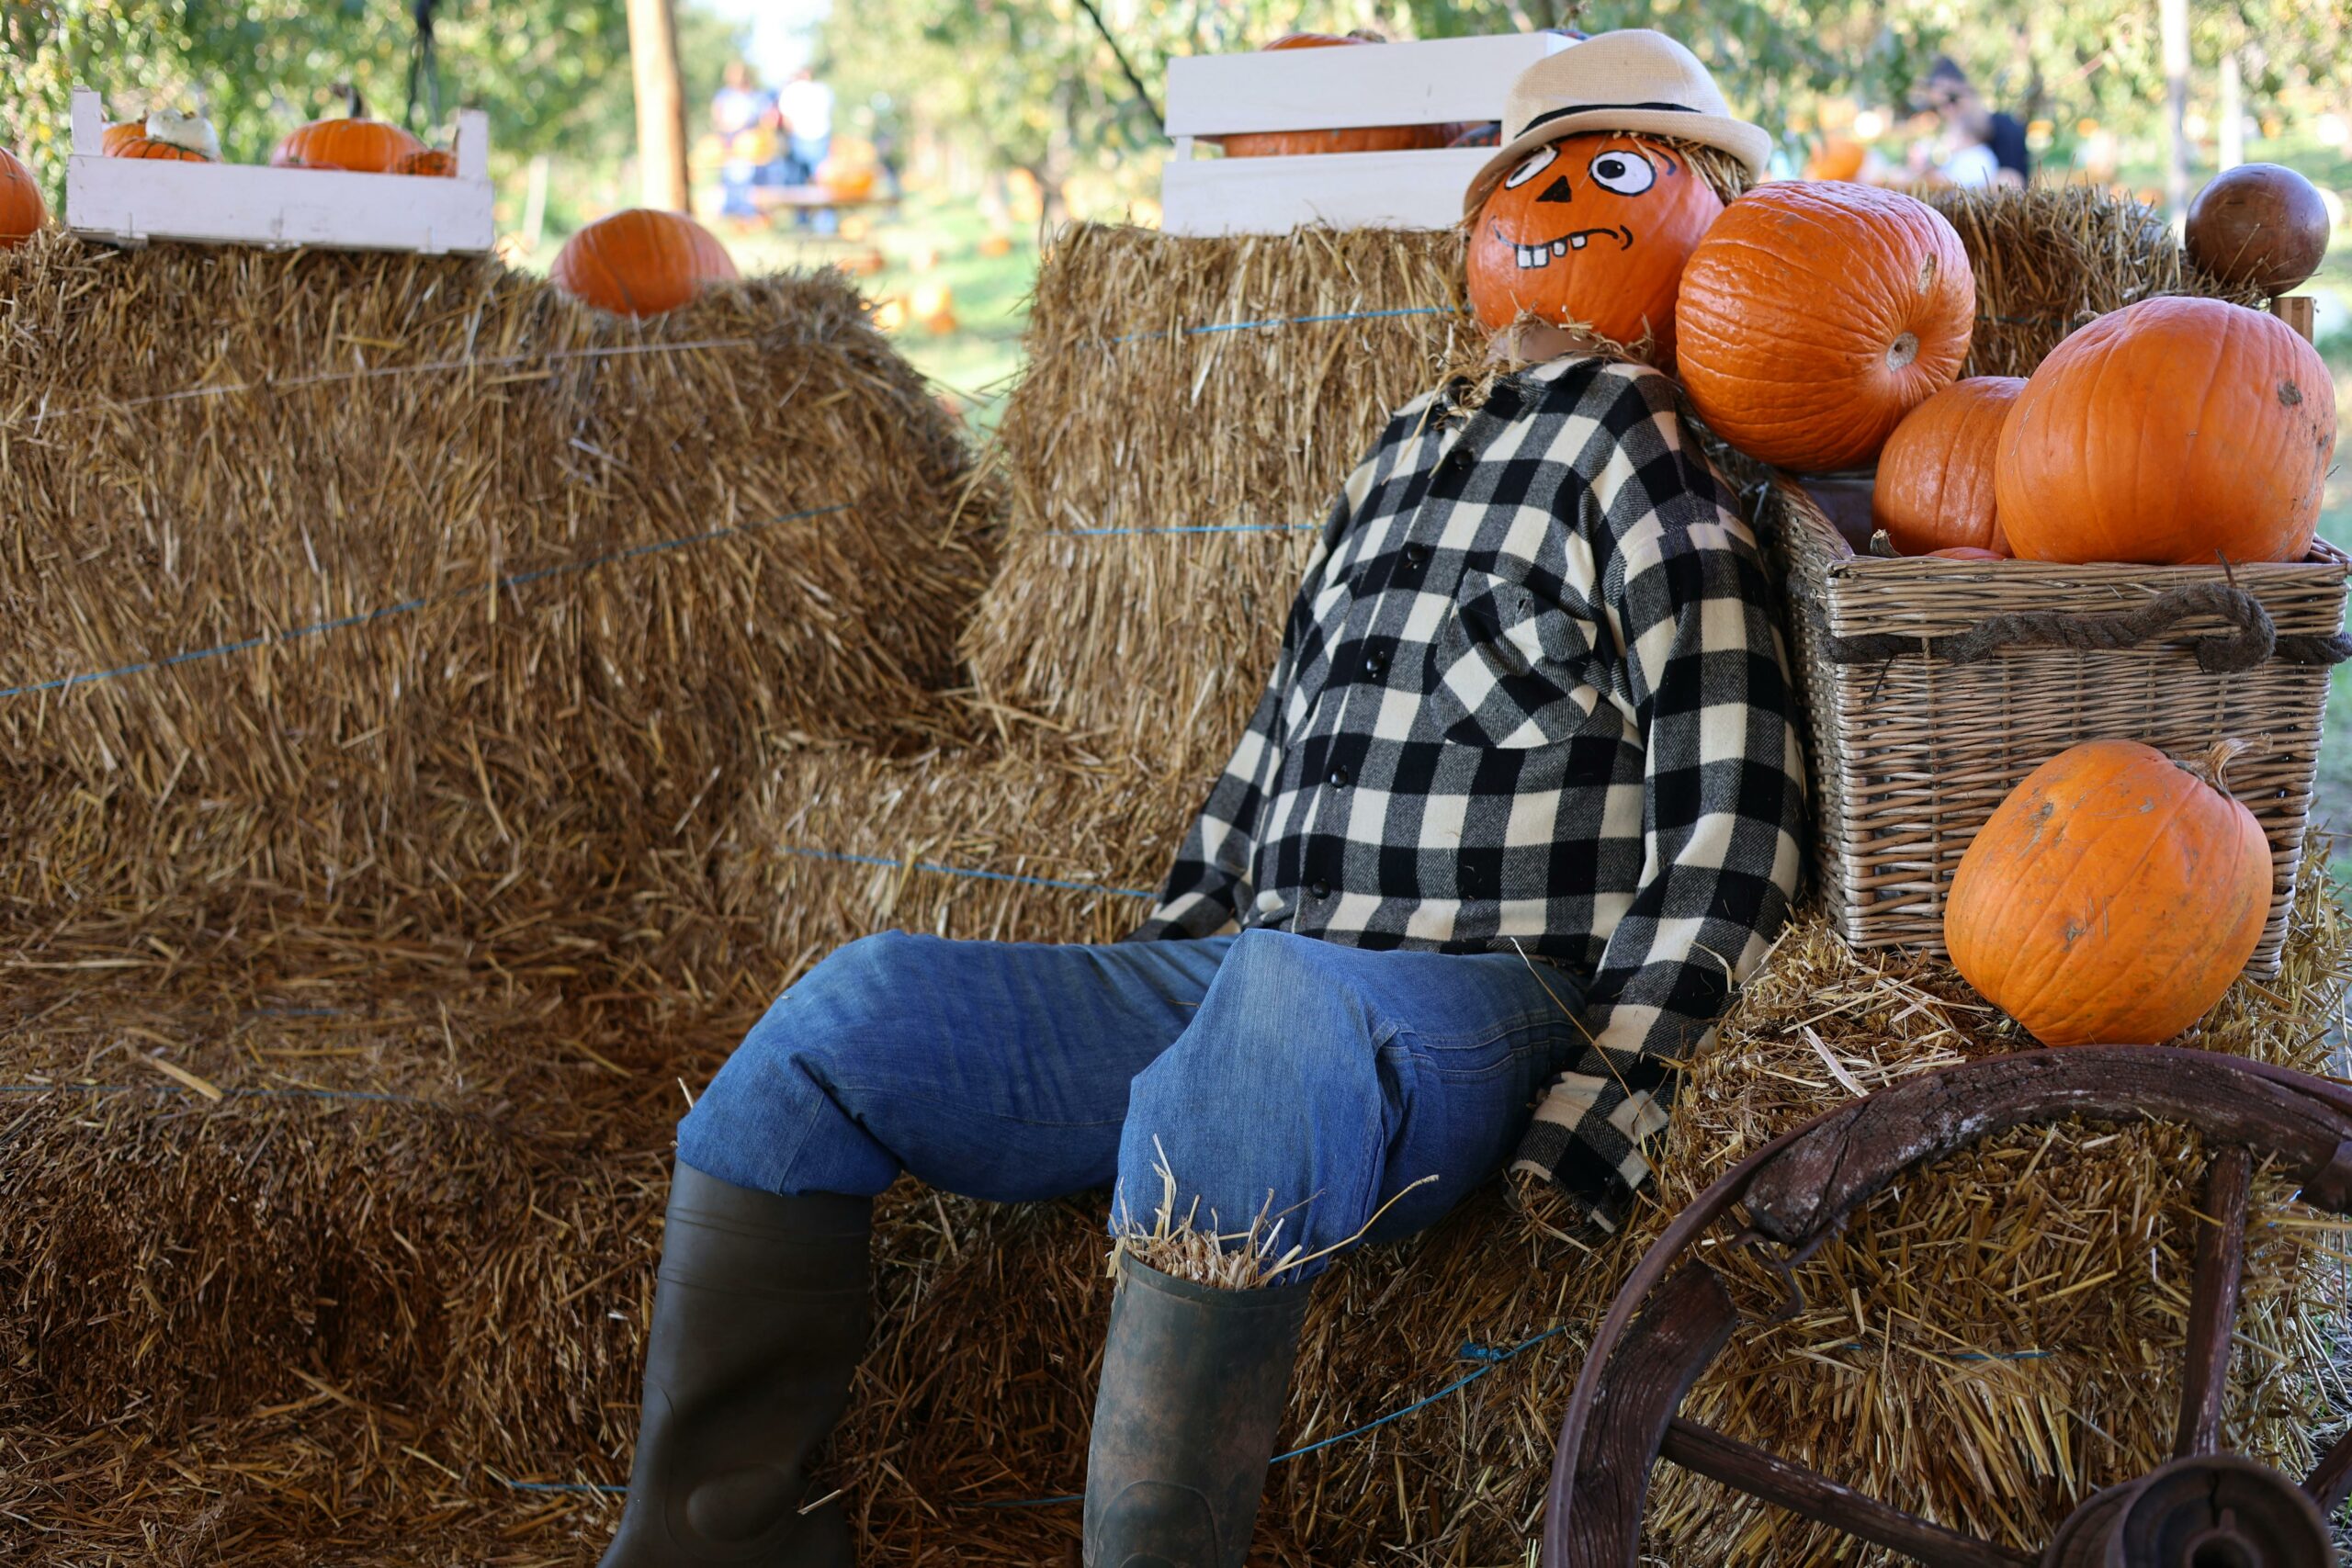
(1591, 230)
(2112, 898)
(436, 162)
(362, 146)
(22, 211)
(1815, 315)
(640, 263)
(2172, 432)
(1934, 489)
(1361, 139)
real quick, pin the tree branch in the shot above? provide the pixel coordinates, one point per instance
(1143, 94)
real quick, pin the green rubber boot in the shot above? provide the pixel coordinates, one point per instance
(1193, 1385)
(758, 1318)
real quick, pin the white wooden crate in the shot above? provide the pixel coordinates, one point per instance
(1432, 83)
(128, 201)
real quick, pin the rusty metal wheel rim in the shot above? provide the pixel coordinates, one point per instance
(1669, 1323)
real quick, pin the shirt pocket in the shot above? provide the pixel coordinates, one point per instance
(1510, 670)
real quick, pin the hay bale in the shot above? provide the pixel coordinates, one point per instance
(2052, 258)
(1189, 383)
(838, 845)
(508, 596)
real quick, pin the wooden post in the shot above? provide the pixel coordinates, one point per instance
(2296, 311)
(660, 103)
(2173, 20)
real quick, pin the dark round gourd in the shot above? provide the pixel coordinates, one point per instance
(2258, 224)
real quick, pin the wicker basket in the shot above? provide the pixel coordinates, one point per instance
(1910, 753)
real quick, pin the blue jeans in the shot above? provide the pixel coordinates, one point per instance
(1263, 1068)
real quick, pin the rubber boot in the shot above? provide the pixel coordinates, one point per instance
(1193, 1385)
(759, 1317)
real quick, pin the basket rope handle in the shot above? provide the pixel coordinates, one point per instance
(2255, 640)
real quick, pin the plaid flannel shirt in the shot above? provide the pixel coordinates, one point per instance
(1530, 696)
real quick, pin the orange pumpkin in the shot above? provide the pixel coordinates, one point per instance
(1365, 138)
(1935, 475)
(144, 146)
(640, 263)
(2112, 898)
(1965, 552)
(436, 163)
(362, 146)
(1838, 158)
(2172, 432)
(22, 211)
(116, 135)
(1591, 230)
(1814, 315)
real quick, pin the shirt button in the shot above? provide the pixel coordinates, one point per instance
(1339, 778)
(1376, 662)
(1320, 890)
(1417, 555)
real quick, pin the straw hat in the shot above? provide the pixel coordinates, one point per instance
(1635, 80)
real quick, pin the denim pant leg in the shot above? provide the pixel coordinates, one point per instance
(997, 1070)
(1325, 1081)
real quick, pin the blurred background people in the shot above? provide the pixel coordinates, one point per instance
(1983, 147)
(743, 116)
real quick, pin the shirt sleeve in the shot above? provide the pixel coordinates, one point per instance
(1685, 598)
(1209, 889)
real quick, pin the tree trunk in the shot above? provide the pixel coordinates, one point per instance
(2173, 20)
(660, 103)
(2233, 150)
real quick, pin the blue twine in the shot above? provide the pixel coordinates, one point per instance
(1289, 322)
(973, 872)
(1189, 528)
(1491, 1358)
(406, 607)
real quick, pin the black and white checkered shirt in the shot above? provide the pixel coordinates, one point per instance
(1530, 696)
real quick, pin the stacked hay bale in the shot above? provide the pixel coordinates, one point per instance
(398, 595)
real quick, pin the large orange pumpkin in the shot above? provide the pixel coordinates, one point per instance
(116, 135)
(362, 146)
(22, 211)
(1591, 230)
(1363, 138)
(640, 263)
(2111, 899)
(1814, 315)
(2173, 431)
(1934, 489)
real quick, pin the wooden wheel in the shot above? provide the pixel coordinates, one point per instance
(2204, 1509)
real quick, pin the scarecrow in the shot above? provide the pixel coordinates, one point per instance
(1522, 802)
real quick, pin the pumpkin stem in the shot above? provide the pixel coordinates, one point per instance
(2213, 766)
(351, 102)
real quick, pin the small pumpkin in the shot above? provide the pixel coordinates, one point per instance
(114, 135)
(434, 163)
(1363, 138)
(362, 146)
(2172, 432)
(1815, 315)
(640, 262)
(1591, 230)
(2258, 224)
(1934, 487)
(2112, 898)
(846, 179)
(1838, 158)
(22, 212)
(155, 147)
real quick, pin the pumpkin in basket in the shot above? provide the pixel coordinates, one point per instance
(22, 211)
(1934, 487)
(2172, 432)
(1363, 138)
(1965, 552)
(2112, 898)
(640, 262)
(1814, 315)
(433, 163)
(1591, 230)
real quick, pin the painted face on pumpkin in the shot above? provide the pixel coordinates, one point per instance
(1591, 230)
